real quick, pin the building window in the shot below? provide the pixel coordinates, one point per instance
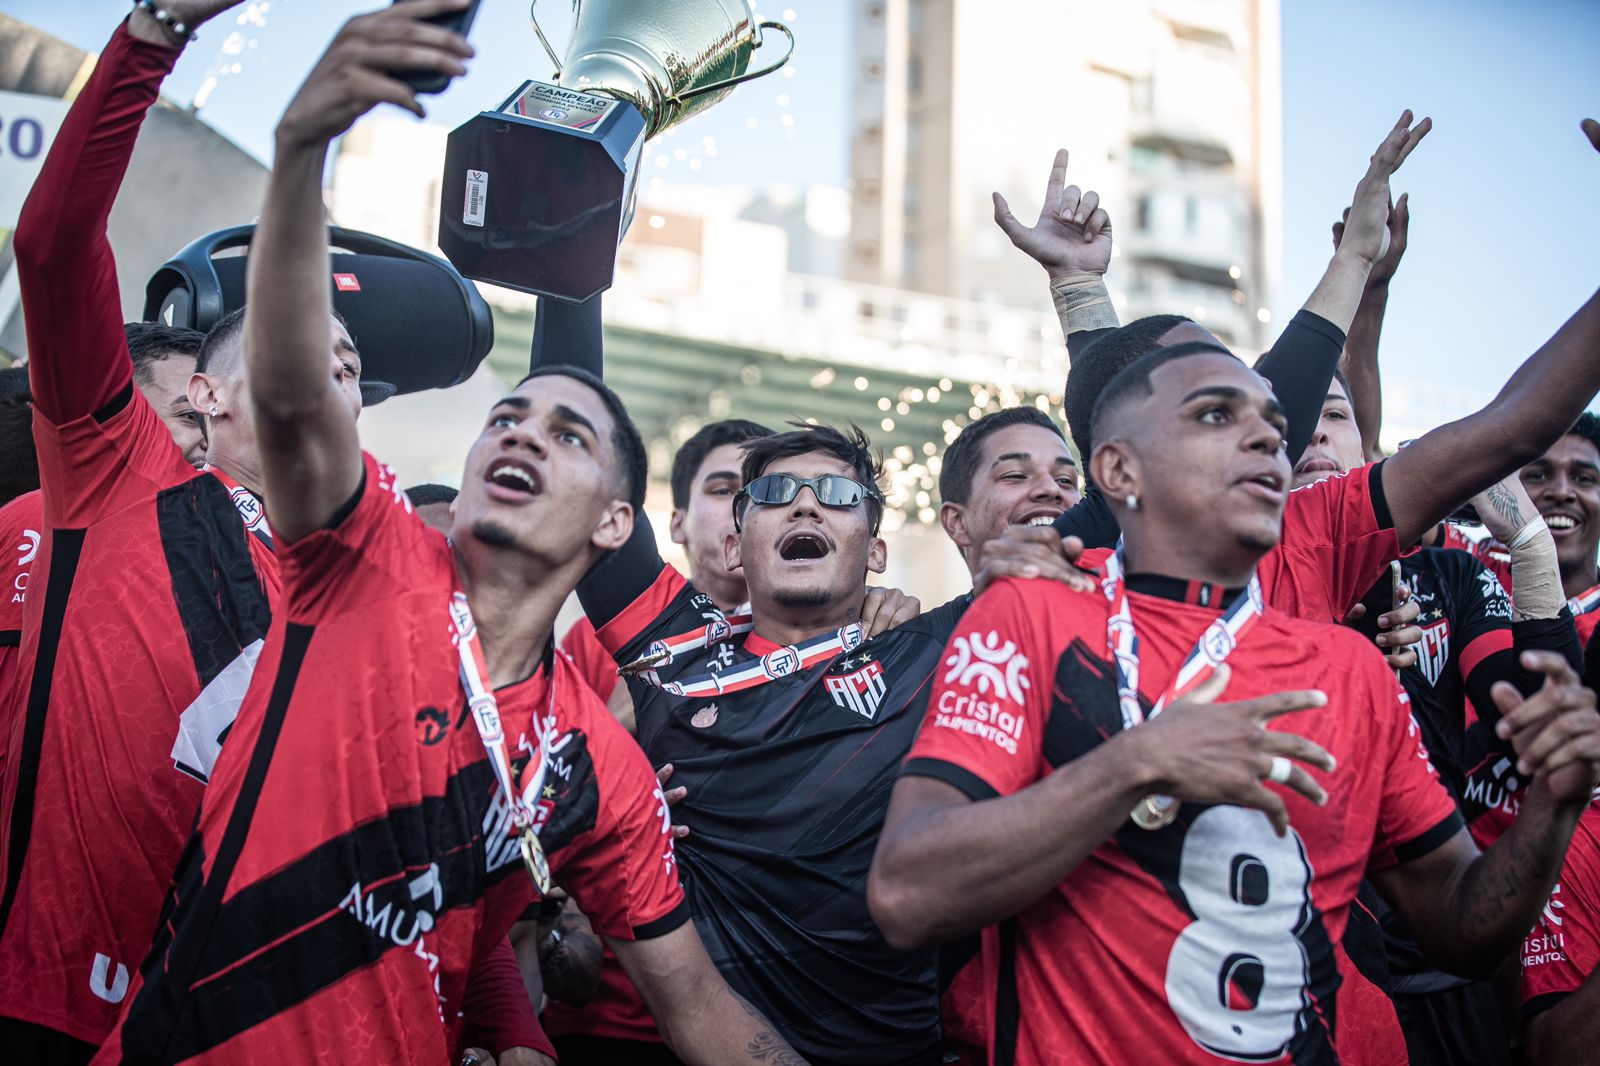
(1141, 214)
(1191, 214)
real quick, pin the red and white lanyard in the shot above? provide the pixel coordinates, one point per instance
(1585, 602)
(780, 662)
(474, 672)
(1210, 651)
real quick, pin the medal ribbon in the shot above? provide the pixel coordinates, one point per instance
(1210, 651)
(781, 662)
(251, 511)
(1585, 602)
(486, 714)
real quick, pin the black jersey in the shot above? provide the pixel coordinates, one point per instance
(788, 785)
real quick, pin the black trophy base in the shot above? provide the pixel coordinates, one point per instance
(537, 195)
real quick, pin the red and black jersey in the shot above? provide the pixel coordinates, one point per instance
(1337, 538)
(1564, 948)
(1586, 613)
(21, 523)
(788, 785)
(353, 858)
(1212, 939)
(146, 605)
(594, 663)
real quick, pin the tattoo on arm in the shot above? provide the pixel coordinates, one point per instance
(1504, 502)
(767, 1046)
(1497, 887)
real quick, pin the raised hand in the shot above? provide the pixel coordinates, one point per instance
(1369, 213)
(1555, 732)
(1209, 752)
(1073, 233)
(353, 76)
(1399, 227)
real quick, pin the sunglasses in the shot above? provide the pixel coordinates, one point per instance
(831, 490)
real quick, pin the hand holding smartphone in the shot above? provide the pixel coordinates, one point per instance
(429, 81)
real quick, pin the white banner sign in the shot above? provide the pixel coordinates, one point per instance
(28, 125)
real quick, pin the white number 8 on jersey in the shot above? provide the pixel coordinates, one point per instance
(1237, 976)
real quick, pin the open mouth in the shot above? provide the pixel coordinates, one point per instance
(1317, 466)
(802, 545)
(1268, 484)
(1038, 518)
(515, 477)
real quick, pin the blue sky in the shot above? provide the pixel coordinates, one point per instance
(1505, 193)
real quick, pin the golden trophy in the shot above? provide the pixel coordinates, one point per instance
(538, 192)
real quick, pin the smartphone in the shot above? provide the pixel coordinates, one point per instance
(429, 81)
(1394, 592)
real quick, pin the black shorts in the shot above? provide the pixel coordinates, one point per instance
(30, 1043)
(1460, 1026)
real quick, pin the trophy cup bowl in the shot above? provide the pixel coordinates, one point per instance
(538, 193)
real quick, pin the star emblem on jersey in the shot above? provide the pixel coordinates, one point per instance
(861, 691)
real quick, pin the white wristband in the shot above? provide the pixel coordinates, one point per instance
(1534, 527)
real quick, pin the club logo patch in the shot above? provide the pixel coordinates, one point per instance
(432, 725)
(861, 691)
(984, 664)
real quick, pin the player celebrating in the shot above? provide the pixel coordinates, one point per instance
(1210, 915)
(1564, 484)
(415, 764)
(148, 597)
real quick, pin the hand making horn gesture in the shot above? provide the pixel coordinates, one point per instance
(1073, 233)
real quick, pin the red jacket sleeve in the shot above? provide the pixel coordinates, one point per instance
(77, 356)
(499, 1014)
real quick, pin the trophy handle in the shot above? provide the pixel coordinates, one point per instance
(749, 75)
(533, 16)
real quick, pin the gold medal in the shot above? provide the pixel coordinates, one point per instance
(1154, 812)
(533, 858)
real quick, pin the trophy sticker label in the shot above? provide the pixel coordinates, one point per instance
(477, 197)
(555, 106)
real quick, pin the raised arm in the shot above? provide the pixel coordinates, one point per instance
(77, 356)
(300, 363)
(1072, 241)
(568, 334)
(1361, 348)
(1546, 394)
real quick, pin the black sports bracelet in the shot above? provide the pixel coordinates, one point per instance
(166, 18)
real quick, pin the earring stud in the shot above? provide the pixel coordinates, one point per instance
(1133, 502)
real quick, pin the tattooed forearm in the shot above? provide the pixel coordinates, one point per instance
(766, 1045)
(1501, 894)
(1504, 501)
